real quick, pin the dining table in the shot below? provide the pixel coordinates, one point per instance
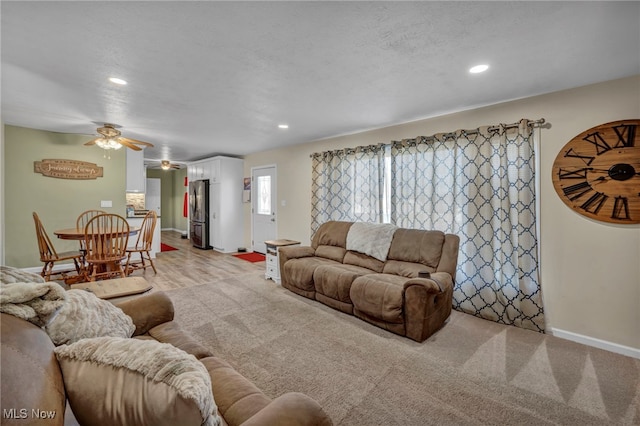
(79, 234)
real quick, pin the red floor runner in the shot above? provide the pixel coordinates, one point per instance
(166, 247)
(251, 257)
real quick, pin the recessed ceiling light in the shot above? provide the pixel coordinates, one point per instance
(283, 126)
(478, 69)
(117, 81)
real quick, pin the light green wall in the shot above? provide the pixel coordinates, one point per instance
(58, 202)
(172, 187)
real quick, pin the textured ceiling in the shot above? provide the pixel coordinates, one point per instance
(211, 78)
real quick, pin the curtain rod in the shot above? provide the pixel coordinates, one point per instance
(533, 123)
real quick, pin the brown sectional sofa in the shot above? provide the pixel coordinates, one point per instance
(32, 378)
(387, 293)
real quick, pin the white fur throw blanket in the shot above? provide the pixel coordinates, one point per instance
(36, 302)
(372, 239)
(84, 315)
(159, 362)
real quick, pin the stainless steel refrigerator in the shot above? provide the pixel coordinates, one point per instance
(199, 213)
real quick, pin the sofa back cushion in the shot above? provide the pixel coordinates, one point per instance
(331, 252)
(414, 250)
(362, 260)
(332, 233)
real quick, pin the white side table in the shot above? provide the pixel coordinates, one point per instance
(273, 261)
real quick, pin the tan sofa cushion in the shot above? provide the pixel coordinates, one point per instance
(333, 233)
(331, 252)
(405, 269)
(417, 246)
(334, 281)
(300, 271)
(116, 381)
(364, 261)
(380, 296)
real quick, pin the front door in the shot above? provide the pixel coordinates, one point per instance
(263, 206)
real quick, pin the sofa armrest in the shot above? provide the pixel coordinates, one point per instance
(290, 409)
(294, 252)
(148, 311)
(438, 282)
(427, 305)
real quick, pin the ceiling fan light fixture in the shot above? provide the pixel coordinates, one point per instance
(105, 143)
(165, 165)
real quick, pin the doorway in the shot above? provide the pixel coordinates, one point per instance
(263, 207)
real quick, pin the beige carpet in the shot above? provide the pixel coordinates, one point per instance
(472, 372)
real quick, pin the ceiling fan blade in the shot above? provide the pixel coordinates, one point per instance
(125, 142)
(137, 142)
(92, 142)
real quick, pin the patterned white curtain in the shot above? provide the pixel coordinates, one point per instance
(479, 185)
(347, 185)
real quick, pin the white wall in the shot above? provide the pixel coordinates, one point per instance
(590, 270)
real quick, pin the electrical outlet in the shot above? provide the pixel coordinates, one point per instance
(106, 203)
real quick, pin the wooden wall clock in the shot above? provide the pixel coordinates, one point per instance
(597, 173)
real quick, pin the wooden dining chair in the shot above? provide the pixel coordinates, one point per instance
(143, 245)
(50, 256)
(106, 237)
(82, 221)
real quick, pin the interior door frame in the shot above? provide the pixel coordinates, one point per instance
(274, 195)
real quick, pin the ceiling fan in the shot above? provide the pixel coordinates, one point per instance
(110, 139)
(162, 164)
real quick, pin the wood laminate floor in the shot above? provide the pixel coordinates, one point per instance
(189, 266)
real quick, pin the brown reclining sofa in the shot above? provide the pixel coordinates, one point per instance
(384, 290)
(32, 378)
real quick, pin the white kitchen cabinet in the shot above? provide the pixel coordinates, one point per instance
(136, 173)
(214, 170)
(226, 215)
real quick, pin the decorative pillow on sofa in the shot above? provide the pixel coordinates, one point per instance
(84, 315)
(116, 381)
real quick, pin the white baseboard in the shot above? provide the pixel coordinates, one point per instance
(182, 231)
(597, 343)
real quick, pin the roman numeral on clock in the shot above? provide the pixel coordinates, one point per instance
(626, 135)
(596, 138)
(586, 158)
(572, 174)
(594, 203)
(576, 191)
(620, 208)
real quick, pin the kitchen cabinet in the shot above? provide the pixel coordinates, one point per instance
(225, 176)
(136, 173)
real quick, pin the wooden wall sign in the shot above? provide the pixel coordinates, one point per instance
(67, 169)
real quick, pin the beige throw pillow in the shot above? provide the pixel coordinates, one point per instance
(116, 381)
(84, 315)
